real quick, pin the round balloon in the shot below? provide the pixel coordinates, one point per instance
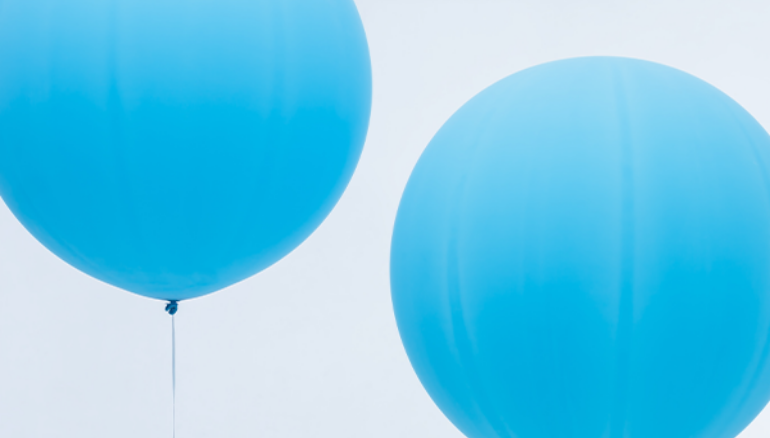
(174, 147)
(582, 252)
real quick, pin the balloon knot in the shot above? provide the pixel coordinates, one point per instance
(172, 307)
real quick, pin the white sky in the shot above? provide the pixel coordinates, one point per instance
(309, 348)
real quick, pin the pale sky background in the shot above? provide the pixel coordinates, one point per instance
(309, 347)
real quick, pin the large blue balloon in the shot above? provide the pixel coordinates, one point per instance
(583, 251)
(174, 147)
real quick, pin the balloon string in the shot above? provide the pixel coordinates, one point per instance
(173, 378)
(171, 308)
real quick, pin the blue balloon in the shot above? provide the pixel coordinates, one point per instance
(583, 251)
(175, 147)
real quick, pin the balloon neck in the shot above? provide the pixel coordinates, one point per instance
(172, 307)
